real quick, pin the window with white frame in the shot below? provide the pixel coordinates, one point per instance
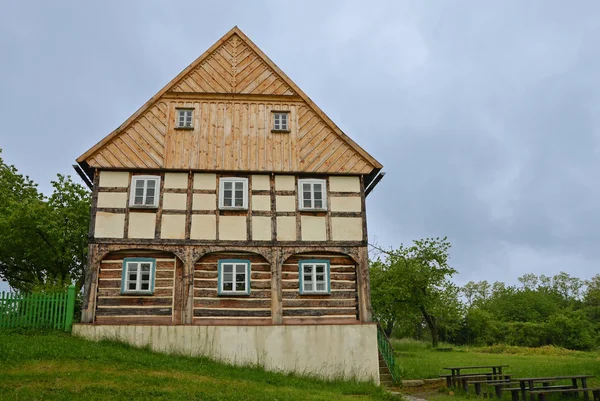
(233, 193)
(144, 191)
(184, 118)
(280, 121)
(234, 277)
(312, 194)
(314, 276)
(138, 275)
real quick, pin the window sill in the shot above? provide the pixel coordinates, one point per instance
(146, 207)
(137, 293)
(315, 293)
(233, 208)
(281, 131)
(312, 210)
(234, 294)
(185, 128)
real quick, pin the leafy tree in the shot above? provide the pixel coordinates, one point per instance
(415, 280)
(42, 240)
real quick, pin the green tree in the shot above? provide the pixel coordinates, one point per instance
(414, 280)
(42, 240)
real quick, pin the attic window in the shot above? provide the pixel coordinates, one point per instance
(281, 121)
(184, 118)
(144, 191)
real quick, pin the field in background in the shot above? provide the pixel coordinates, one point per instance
(419, 361)
(56, 366)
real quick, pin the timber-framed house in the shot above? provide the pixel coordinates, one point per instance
(231, 201)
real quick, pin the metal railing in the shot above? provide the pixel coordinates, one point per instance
(387, 351)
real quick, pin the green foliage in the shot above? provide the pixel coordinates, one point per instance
(42, 240)
(42, 365)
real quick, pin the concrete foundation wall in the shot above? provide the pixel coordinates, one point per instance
(326, 351)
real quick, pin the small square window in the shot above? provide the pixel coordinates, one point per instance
(138, 276)
(314, 276)
(233, 193)
(281, 121)
(234, 277)
(313, 194)
(184, 118)
(144, 191)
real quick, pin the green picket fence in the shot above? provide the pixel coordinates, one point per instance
(38, 310)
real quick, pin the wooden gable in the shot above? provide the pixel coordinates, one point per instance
(233, 88)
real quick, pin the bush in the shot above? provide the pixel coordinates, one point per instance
(572, 330)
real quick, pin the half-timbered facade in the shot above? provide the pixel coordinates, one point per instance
(228, 199)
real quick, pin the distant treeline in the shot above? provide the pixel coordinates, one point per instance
(413, 296)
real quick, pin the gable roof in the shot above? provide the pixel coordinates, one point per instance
(233, 65)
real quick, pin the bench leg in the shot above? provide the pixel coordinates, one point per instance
(542, 397)
(449, 381)
(596, 394)
(478, 389)
(514, 395)
(498, 390)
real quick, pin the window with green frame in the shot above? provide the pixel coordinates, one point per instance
(234, 277)
(138, 276)
(314, 276)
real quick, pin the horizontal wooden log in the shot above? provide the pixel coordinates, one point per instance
(215, 274)
(233, 303)
(128, 300)
(344, 194)
(215, 257)
(111, 292)
(332, 276)
(120, 255)
(232, 312)
(145, 320)
(320, 320)
(165, 265)
(133, 311)
(213, 267)
(261, 192)
(294, 269)
(208, 321)
(112, 189)
(318, 312)
(254, 293)
(163, 282)
(292, 285)
(332, 295)
(109, 283)
(110, 273)
(164, 274)
(320, 303)
(334, 260)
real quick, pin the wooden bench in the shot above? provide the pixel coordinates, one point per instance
(496, 383)
(514, 391)
(595, 391)
(449, 377)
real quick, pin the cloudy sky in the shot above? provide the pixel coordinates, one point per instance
(486, 115)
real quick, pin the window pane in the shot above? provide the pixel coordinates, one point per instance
(228, 185)
(145, 277)
(240, 277)
(138, 200)
(320, 268)
(307, 286)
(227, 286)
(240, 268)
(320, 277)
(227, 202)
(228, 193)
(151, 184)
(139, 184)
(145, 286)
(306, 187)
(239, 186)
(227, 277)
(307, 268)
(139, 191)
(320, 286)
(149, 191)
(228, 268)
(306, 203)
(318, 204)
(145, 267)
(150, 200)
(131, 286)
(132, 276)
(240, 286)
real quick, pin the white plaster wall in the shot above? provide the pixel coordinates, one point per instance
(114, 179)
(205, 181)
(286, 228)
(174, 201)
(285, 183)
(344, 184)
(261, 202)
(345, 204)
(346, 228)
(173, 226)
(141, 225)
(204, 226)
(232, 228)
(176, 180)
(109, 225)
(313, 228)
(112, 199)
(261, 228)
(204, 202)
(285, 203)
(261, 183)
(326, 351)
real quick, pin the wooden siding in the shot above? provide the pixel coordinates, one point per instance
(114, 308)
(211, 308)
(233, 68)
(340, 306)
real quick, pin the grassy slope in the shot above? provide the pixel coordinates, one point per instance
(54, 366)
(417, 360)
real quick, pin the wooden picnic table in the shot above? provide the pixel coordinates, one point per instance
(455, 372)
(527, 383)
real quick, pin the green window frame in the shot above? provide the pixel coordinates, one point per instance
(230, 281)
(138, 276)
(309, 271)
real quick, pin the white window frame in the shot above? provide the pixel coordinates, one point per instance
(138, 282)
(146, 178)
(233, 180)
(235, 263)
(281, 116)
(184, 112)
(313, 274)
(311, 181)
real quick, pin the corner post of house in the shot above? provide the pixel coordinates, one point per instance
(89, 287)
(276, 261)
(188, 286)
(362, 277)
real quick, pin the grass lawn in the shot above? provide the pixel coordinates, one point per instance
(419, 361)
(56, 366)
